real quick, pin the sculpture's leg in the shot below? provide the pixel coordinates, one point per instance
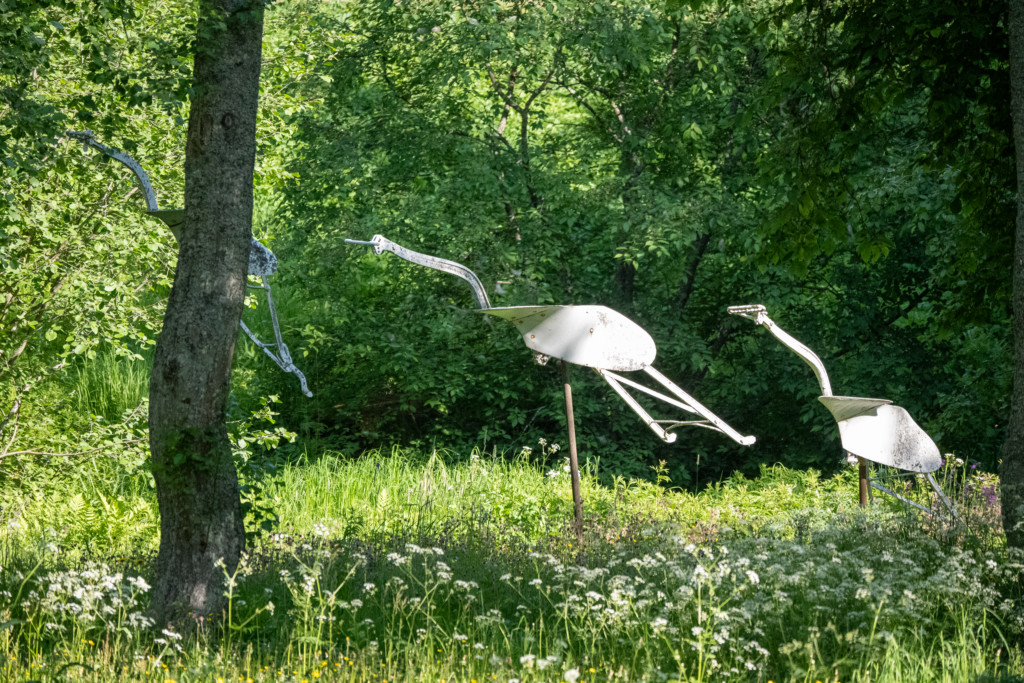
(283, 357)
(614, 382)
(942, 495)
(700, 409)
(688, 403)
(574, 463)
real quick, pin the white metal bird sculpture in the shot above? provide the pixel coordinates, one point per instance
(870, 429)
(596, 337)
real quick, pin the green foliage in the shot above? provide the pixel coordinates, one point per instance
(667, 161)
(413, 566)
(108, 385)
(253, 442)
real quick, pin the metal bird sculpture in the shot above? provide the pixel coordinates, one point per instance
(262, 262)
(592, 336)
(871, 429)
(596, 337)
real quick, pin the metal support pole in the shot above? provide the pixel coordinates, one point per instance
(574, 464)
(862, 468)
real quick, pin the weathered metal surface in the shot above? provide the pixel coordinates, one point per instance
(381, 244)
(88, 139)
(172, 218)
(592, 336)
(845, 407)
(262, 261)
(887, 435)
(597, 337)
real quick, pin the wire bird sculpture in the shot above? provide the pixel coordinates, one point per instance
(871, 429)
(262, 262)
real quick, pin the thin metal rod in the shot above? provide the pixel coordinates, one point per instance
(283, 357)
(637, 408)
(700, 409)
(873, 481)
(862, 475)
(922, 508)
(286, 357)
(574, 464)
(942, 495)
(647, 390)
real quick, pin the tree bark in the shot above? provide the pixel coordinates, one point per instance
(1012, 467)
(197, 486)
(697, 249)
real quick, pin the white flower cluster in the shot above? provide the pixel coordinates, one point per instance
(94, 598)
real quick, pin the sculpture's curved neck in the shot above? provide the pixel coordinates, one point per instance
(381, 243)
(759, 315)
(87, 139)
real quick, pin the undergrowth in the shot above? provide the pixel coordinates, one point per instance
(396, 566)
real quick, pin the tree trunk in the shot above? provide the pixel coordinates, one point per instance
(197, 486)
(1012, 468)
(697, 249)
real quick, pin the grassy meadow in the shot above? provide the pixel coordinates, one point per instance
(409, 566)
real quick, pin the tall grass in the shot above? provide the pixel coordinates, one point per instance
(109, 384)
(398, 566)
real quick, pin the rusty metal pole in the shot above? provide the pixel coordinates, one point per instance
(862, 470)
(574, 464)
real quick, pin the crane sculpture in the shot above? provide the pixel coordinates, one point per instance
(871, 429)
(596, 337)
(262, 262)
